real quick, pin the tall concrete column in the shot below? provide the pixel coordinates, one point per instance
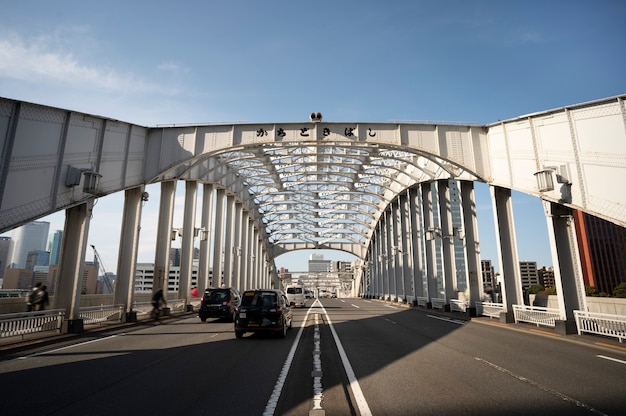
(229, 240)
(238, 252)
(72, 265)
(568, 274)
(218, 238)
(206, 238)
(395, 276)
(127, 255)
(164, 237)
(447, 241)
(378, 261)
(417, 243)
(405, 256)
(472, 247)
(186, 252)
(245, 252)
(430, 244)
(506, 244)
(388, 280)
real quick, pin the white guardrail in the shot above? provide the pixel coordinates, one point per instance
(601, 324)
(537, 315)
(97, 314)
(489, 309)
(15, 324)
(422, 301)
(438, 303)
(459, 305)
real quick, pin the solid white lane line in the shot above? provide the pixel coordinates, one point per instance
(443, 318)
(270, 407)
(611, 359)
(364, 409)
(318, 390)
(358, 307)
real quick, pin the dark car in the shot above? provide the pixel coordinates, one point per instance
(219, 303)
(263, 310)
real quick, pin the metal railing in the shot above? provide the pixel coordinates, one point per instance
(97, 314)
(601, 324)
(459, 305)
(15, 324)
(536, 314)
(489, 309)
(438, 303)
(422, 301)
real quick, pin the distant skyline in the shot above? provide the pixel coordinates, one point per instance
(153, 62)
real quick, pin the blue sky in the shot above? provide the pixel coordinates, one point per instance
(160, 62)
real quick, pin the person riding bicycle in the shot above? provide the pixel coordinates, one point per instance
(158, 300)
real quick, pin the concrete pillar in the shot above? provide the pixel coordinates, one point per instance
(238, 254)
(229, 240)
(506, 244)
(206, 238)
(127, 255)
(430, 243)
(187, 246)
(165, 235)
(245, 252)
(567, 267)
(447, 242)
(395, 277)
(218, 238)
(472, 247)
(417, 242)
(405, 255)
(388, 277)
(72, 264)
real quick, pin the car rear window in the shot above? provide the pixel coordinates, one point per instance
(294, 290)
(261, 299)
(215, 296)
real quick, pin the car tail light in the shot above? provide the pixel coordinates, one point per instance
(226, 303)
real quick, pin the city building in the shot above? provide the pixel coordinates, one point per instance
(37, 258)
(317, 264)
(528, 274)
(54, 246)
(144, 276)
(602, 248)
(546, 276)
(6, 247)
(29, 237)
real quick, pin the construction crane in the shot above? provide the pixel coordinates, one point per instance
(105, 276)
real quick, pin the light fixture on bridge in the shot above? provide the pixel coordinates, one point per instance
(175, 233)
(91, 182)
(433, 232)
(546, 177)
(316, 117)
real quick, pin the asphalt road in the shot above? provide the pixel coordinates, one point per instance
(347, 357)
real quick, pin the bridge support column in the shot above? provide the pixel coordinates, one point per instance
(218, 238)
(72, 264)
(186, 251)
(506, 244)
(431, 247)
(127, 255)
(165, 235)
(567, 268)
(406, 259)
(229, 246)
(417, 247)
(450, 286)
(395, 278)
(472, 247)
(238, 250)
(206, 224)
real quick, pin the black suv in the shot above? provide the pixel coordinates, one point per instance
(263, 310)
(219, 303)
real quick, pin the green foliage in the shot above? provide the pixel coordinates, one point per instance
(535, 289)
(620, 290)
(590, 290)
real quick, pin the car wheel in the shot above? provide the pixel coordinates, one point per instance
(283, 328)
(290, 323)
(239, 334)
(203, 319)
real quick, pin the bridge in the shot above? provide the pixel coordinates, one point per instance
(380, 191)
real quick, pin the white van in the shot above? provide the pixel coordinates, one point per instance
(295, 294)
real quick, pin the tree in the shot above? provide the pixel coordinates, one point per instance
(620, 290)
(535, 289)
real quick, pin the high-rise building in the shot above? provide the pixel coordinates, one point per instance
(528, 274)
(54, 247)
(546, 276)
(602, 248)
(29, 237)
(37, 258)
(6, 246)
(318, 264)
